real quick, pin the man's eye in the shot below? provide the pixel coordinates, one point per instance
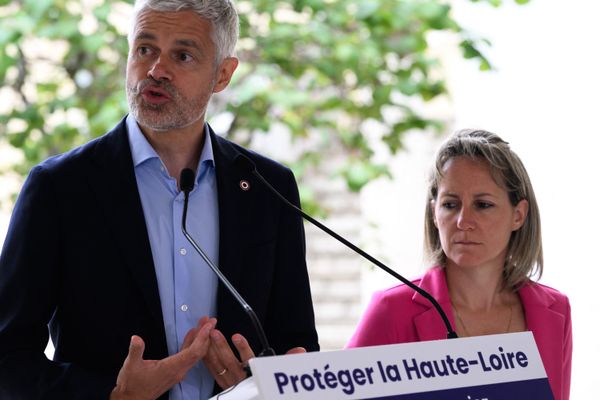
(185, 57)
(143, 50)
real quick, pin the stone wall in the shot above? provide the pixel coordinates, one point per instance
(334, 269)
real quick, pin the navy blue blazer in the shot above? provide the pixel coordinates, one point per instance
(77, 260)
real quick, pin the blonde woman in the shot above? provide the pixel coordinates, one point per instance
(482, 234)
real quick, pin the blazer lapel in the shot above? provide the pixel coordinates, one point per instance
(112, 179)
(538, 313)
(235, 208)
(546, 324)
(429, 324)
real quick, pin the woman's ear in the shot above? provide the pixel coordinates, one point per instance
(432, 209)
(520, 214)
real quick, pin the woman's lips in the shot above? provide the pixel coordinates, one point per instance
(466, 242)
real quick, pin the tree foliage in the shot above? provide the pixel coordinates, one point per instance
(317, 68)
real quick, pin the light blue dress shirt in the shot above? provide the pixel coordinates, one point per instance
(187, 286)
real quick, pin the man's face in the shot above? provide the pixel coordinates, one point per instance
(171, 70)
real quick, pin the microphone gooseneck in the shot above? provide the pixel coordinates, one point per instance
(186, 183)
(246, 165)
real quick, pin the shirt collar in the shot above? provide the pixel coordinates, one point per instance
(142, 150)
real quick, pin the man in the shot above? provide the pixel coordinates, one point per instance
(94, 250)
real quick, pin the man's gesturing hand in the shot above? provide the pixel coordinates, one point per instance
(141, 379)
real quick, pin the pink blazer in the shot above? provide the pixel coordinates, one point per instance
(399, 315)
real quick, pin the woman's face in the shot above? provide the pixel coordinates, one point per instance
(474, 215)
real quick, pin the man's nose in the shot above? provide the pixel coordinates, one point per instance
(160, 70)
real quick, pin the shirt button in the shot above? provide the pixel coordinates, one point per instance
(184, 307)
(182, 251)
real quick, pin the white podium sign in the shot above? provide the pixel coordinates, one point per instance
(491, 367)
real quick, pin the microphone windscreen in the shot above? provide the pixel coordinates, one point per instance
(186, 180)
(244, 164)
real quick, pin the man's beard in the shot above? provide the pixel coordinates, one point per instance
(177, 113)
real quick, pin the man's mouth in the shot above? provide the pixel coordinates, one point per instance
(155, 95)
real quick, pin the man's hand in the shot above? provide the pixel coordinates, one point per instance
(222, 362)
(141, 379)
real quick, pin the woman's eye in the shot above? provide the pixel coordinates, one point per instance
(484, 205)
(449, 205)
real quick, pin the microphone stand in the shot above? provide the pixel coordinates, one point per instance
(186, 182)
(246, 164)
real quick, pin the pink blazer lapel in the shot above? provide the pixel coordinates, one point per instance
(545, 314)
(429, 324)
(546, 324)
(538, 312)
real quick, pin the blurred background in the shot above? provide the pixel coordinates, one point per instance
(355, 96)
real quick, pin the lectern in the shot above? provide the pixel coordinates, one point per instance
(494, 367)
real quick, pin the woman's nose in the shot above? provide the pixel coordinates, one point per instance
(465, 219)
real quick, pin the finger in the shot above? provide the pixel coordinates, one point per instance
(225, 359)
(189, 337)
(178, 365)
(296, 350)
(201, 341)
(198, 341)
(243, 347)
(136, 349)
(225, 354)
(212, 321)
(193, 333)
(213, 363)
(212, 359)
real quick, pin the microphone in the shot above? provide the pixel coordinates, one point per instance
(186, 183)
(246, 165)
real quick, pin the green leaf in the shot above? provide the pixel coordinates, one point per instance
(6, 62)
(93, 43)
(358, 173)
(20, 24)
(288, 98)
(351, 61)
(367, 8)
(7, 36)
(38, 8)
(47, 87)
(469, 49)
(103, 11)
(67, 28)
(432, 11)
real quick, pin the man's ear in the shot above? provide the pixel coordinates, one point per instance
(224, 73)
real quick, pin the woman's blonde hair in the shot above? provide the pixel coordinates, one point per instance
(524, 257)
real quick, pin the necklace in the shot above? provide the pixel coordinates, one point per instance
(464, 326)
